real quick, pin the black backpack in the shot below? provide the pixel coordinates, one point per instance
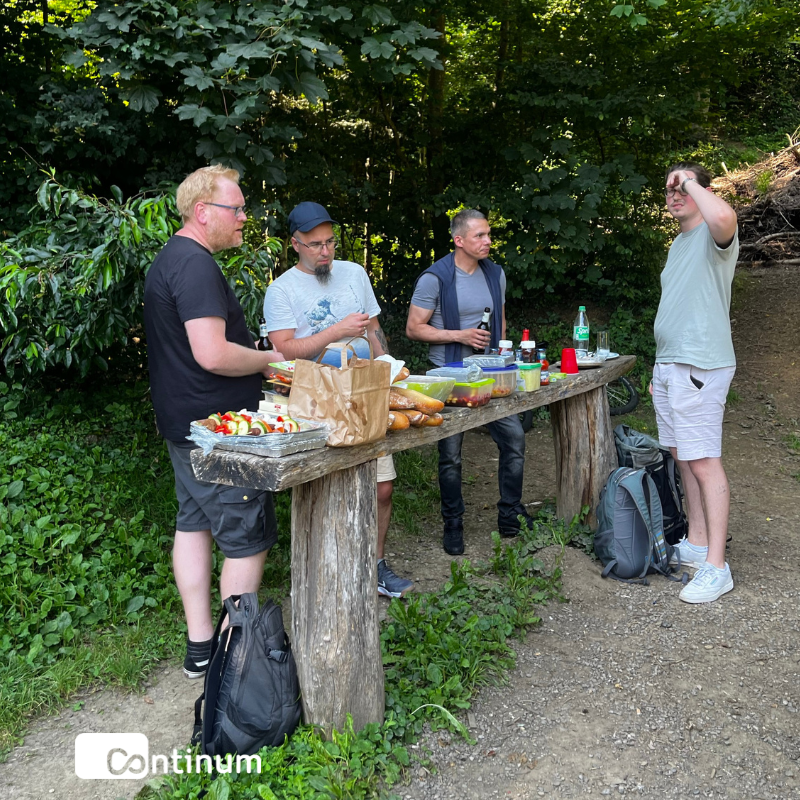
(638, 450)
(251, 691)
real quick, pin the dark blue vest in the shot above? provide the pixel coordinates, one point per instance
(445, 270)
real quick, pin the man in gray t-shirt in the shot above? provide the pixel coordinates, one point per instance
(321, 301)
(448, 302)
(694, 367)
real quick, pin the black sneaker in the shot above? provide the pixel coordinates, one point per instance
(198, 655)
(509, 529)
(389, 584)
(453, 539)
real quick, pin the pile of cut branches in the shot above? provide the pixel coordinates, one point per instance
(766, 196)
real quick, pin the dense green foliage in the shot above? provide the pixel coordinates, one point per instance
(72, 282)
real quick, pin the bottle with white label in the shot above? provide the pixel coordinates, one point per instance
(580, 333)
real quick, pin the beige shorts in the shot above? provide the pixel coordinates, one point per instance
(386, 471)
(690, 404)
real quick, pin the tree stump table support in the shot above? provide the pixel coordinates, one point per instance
(335, 633)
(585, 451)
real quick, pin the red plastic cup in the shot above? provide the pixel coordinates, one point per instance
(569, 361)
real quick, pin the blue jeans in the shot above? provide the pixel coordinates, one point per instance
(510, 440)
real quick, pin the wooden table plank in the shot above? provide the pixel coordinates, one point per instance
(274, 474)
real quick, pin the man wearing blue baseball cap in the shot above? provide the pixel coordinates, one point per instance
(321, 301)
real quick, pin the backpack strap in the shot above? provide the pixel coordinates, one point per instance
(197, 731)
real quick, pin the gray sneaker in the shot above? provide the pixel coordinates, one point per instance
(691, 555)
(389, 584)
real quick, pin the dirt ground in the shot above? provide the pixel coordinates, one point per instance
(622, 690)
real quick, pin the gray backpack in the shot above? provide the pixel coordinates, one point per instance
(251, 692)
(635, 449)
(630, 537)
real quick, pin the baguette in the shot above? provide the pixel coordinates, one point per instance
(402, 375)
(416, 418)
(399, 401)
(423, 403)
(397, 421)
(433, 421)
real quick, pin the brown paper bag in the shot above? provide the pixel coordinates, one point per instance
(353, 401)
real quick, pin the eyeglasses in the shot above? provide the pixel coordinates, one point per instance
(316, 247)
(672, 191)
(236, 209)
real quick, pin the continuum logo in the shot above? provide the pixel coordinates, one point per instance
(126, 756)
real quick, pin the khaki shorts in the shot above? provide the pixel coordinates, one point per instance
(386, 471)
(690, 404)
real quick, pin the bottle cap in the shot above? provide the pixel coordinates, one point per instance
(581, 308)
(529, 345)
(526, 334)
(505, 343)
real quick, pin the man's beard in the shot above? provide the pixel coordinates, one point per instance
(322, 273)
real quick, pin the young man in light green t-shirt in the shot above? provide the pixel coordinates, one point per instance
(694, 367)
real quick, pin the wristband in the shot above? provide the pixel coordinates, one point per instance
(685, 181)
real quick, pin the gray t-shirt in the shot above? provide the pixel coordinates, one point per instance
(693, 322)
(473, 297)
(298, 300)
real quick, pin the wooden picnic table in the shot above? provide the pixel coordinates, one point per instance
(335, 633)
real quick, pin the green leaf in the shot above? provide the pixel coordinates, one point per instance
(312, 87)
(15, 489)
(134, 604)
(143, 98)
(197, 77)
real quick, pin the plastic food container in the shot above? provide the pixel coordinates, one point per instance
(505, 380)
(531, 375)
(490, 361)
(471, 395)
(459, 372)
(436, 387)
(285, 368)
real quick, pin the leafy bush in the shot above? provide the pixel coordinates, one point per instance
(76, 550)
(72, 283)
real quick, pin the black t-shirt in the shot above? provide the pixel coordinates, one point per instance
(186, 283)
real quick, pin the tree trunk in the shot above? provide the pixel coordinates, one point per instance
(585, 451)
(335, 633)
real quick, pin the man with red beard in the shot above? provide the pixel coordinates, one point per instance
(202, 360)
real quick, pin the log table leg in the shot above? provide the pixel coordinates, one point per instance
(334, 598)
(585, 451)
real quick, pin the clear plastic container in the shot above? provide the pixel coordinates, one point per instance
(490, 360)
(505, 380)
(531, 375)
(471, 395)
(460, 374)
(430, 385)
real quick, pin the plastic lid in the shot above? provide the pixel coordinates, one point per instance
(581, 308)
(537, 365)
(529, 345)
(500, 369)
(505, 343)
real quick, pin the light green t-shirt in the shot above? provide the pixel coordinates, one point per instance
(693, 323)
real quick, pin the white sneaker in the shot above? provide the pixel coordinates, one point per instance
(708, 584)
(692, 555)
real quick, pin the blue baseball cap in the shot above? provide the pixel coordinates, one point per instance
(305, 216)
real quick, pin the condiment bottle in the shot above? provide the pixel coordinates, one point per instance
(526, 335)
(528, 352)
(506, 347)
(541, 355)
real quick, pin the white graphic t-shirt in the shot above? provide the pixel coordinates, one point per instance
(300, 301)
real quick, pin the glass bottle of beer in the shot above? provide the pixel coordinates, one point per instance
(483, 325)
(263, 336)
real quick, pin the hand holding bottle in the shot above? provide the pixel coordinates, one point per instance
(476, 338)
